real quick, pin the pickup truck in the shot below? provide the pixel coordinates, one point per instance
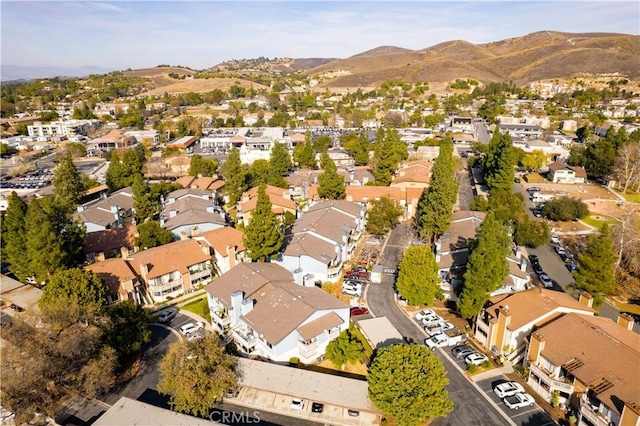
(448, 338)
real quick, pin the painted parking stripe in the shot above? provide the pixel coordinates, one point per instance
(520, 413)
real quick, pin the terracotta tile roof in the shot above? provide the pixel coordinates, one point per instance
(533, 305)
(237, 139)
(319, 325)
(114, 135)
(204, 182)
(414, 173)
(110, 239)
(114, 272)
(310, 245)
(185, 181)
(222, 238)
(176, 256)
(297, 137)
(359, 193)
(276, 196)
(605, 350)
(280, 305)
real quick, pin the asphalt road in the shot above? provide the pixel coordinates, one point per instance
(470, 407)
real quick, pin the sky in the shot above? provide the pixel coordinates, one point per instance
(201, 34)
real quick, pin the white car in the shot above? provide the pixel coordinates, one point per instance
(352, 290)
(297, 404)
(555, 239)
(437, 341)
(476, 359)
(191, 327)
(519, 400)
(506, 389)
(426, 313)
(545, 280)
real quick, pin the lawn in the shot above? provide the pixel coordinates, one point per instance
(632, 197)
(199, 307)
(627, 307)
(597, 220)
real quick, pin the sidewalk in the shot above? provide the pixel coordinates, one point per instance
(507, 368)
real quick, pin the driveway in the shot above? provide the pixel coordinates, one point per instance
(470, 405)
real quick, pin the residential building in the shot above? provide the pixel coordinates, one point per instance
(121, 279)
(62, 129)
(508, 319)
(127, 411)
(183, 143)
(107, 213)
(321, 240)
(227, 246)
(413, 174)
(186, 210)
(173, 269)
(561, 172)
(281, 203)
(591, 364)
(113, 242)
(452, 248)
(146, 137)
(115, 139)
(17, 297)
(526, 130)
(267, 314)
(356, 176)
(407, 198)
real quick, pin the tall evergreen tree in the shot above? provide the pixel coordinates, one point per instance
(234, 175)
(279, 165)
(15, 247)
(144, 204)
(200, 166)
(68, 184)
(53, 239)
(303, 154)
(330, 183)
(263, 236)
(500, 161)
(437, 201)
(595, 273)
(487, 266)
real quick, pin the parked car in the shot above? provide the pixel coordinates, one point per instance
(426, 313)
(167, 315)
(533, 258)
(475, 359)
(357, 310)
(560, 250)
(519, 400)
(545, 280)
(297, 404)
(572, 266)
(537, 212)
(353, 413)
(516, 179)
(533, 189)
(537, 268)
(191, 327)
(555, 239)
(462, 351)
(352, 290)
(316, 407)
(506, 389)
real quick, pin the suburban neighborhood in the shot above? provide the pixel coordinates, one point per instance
(276, 251)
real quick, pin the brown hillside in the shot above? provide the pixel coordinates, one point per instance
(536, 56)
(202, 85)
(159, 76)
(382, 50)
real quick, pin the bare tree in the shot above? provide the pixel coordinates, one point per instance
(627, 166)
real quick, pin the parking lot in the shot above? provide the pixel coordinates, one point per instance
(526, 416)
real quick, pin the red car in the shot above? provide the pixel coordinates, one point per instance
(359, 311)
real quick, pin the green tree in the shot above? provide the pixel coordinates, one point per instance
(330, 183)
(279, 165)
(258, 173)
(321, 144)
(534, 161)
(122, 171)
(234, 175)
(128, 329)
(418, 279)
(67, 182)
(151, 234)
(407, 383)
(303, 153)
(383, 215)
(532, 233)
(196, 375)
(53, 239)
(487, 266)
(565, 208)
(144, 204)
(263, 237)
(200, 166)
(437, 201)
(6, 150)
(479, 203)
(73, 295)
(507, 206)
(600, 157)
(358, 147)
(13, 237)
(345, 348)
(499, 162)
(595, 273)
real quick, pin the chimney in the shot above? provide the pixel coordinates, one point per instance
(172, 213)
(231, 254)
(246, 306)
(236, 305)
(183, 235)
(205, 196)
(144, 270)
(80, 208)
(536, 346)
(195, 231)
(586, 299)
(518, 253)
(625, 320)
(523, 265)
(210, 209)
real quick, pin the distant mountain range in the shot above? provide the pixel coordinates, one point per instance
(537, 56)
(16, 72)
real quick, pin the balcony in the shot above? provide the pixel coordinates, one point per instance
(308, 350)
(553, 383)
(197, 276)
(164, 286)
(590, 412)
(247, 339)
(220, 317)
